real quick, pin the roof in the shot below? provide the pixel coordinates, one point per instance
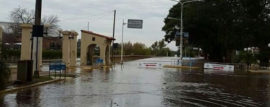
(100, 35)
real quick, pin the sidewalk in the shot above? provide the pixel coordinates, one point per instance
(13, 74)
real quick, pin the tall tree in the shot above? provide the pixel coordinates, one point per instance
(221, 26)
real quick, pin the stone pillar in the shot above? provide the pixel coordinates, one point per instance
(84, 49)
(65, 48)
(27, 45)
(73, 49)
(69, 48)
(26, 42)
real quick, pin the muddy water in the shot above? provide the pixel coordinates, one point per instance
(131, 86)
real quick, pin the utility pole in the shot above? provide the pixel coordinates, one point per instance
(88, 26)
(114, 18)
(181, 35)
(36, 34)
(182, 3)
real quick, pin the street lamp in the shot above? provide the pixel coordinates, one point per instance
(182, 26)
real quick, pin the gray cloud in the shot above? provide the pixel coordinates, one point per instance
(75, 14)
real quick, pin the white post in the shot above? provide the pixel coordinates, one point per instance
(122, 44)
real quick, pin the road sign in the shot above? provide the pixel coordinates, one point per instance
(135, 23)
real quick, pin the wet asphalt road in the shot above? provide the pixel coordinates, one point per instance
(131, 86)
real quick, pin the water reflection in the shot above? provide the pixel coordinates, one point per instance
(215, 89)
(28, 97)
(131, 86)
(2, 101)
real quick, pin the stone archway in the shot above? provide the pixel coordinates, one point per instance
(104, 43)
(93, 53)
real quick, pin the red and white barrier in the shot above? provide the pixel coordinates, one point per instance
(222, 67)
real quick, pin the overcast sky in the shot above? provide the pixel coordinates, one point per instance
(75, 14)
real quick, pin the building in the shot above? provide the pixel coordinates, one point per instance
(12, 40)
(52, 43)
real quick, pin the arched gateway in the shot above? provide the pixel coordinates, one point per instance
(93, 47)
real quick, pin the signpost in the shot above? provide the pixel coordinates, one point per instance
(135, 23)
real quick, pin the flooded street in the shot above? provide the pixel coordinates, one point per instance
(132, 86)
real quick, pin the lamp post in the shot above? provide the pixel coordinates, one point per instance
(122, 45)
(182, 3)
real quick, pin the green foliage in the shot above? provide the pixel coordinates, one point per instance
(263, 56)
(133, 49)
(4, 75)
(52, 54)
(159, 49)
(10, 53)
(4, 71)
(221, 26)
(245, 57)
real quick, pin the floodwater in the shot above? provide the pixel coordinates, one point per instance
(132, 86)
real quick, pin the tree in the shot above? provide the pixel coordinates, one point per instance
(158, 48)
(140, 49)
(220, 27)
(4, 72)
(24, 16)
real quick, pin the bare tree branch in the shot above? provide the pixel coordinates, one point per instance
(22, 16)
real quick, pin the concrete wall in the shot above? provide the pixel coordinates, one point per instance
(86, 40)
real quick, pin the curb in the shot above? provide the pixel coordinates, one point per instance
(260, 71)
(28, 86)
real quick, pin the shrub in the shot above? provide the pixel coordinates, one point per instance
(52, 54)
(4, 75)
